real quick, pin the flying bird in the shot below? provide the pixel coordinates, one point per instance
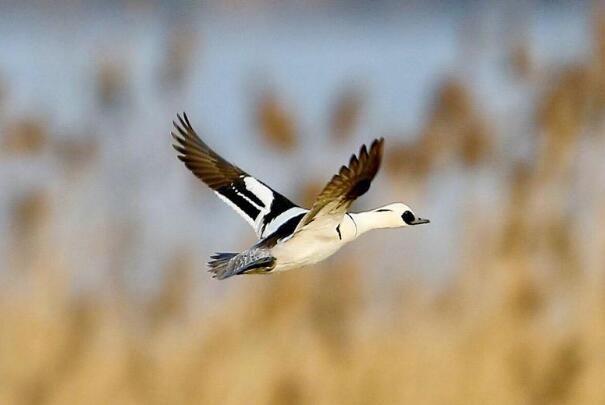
(289, 236)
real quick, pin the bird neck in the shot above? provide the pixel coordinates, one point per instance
(368, 220)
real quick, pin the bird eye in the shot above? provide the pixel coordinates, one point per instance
(408, 217)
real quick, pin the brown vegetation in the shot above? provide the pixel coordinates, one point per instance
(521, 320)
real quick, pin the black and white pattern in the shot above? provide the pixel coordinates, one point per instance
(283, 231)
(263, 208)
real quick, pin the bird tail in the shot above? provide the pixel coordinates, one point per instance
(222, 265)
(218, 264)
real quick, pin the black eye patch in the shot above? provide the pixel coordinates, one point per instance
(408, 217)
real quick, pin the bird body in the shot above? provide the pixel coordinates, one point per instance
(289, 236)
(314, 243)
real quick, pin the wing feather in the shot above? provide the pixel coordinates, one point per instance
(351, 182)
(257, 203)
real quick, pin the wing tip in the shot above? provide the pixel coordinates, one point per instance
(377, 144)
(375, 151)
(183, 125)
(185, 135)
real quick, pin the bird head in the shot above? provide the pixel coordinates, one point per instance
(400, 215)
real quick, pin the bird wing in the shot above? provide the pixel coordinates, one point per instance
(263, 208)
(351, 182)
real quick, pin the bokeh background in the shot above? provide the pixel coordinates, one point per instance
(493, 115)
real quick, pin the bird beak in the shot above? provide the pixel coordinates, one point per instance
(419, 221)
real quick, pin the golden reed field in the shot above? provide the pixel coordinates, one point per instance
(520, 319)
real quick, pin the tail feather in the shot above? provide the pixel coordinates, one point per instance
(218, 263)
(223, 265)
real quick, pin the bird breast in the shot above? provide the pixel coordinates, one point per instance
(315, 242)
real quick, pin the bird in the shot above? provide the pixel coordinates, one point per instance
(289, 236)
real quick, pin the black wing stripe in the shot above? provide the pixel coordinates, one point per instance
(271, 226)
(236, 198)
(279, 205)
(250, 195)
(284, 231)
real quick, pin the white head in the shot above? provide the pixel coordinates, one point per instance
(397, 215)
(394, 215)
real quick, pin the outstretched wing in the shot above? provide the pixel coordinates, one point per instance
(263, 208)
(351, 182)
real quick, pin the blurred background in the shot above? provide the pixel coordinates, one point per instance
(493, 116)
